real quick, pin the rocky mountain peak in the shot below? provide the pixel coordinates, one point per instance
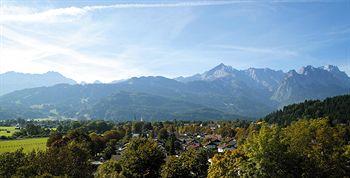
(307, 70)
(220, 71)
(330, 68)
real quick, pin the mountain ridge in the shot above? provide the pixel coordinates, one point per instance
(223, 91)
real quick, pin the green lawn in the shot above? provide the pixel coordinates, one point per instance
(7, 131)
(27, 144)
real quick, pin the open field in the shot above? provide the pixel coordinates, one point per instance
(27, 145)
(7, 131)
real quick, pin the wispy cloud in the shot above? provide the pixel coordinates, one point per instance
(24, 14)
(29, 54)
(85, 50)
(249, 49)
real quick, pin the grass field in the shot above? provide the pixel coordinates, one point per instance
(7, 131)
(27, 145)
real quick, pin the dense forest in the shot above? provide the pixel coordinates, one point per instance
(337, 109)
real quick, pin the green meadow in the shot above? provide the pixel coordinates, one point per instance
(7, 131)
(27, 144)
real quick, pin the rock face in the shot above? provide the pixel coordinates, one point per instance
(268, 78)
(12, 81)
(220, 93)
(311, 83)
(285, 88)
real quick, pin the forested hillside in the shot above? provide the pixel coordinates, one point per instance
(337, 109)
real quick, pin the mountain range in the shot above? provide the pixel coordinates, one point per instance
(220, 93)
(12, 81)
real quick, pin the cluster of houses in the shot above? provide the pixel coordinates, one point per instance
(184, 142)
(212, 142)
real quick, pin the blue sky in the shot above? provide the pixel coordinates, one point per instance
(111, 40)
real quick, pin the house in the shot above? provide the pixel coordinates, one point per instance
(210, 145)
(225, 147)
(213, 144)
(216, 141)
(213, 137)
(233, 142)
(135, 135)
(96, 163)
(191, 143)
(230, 145)
(214, 126)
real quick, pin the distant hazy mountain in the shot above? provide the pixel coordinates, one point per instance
(220, 93)
(12, 81)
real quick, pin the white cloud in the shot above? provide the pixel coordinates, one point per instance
(28, 54)
(23, 14)
(74, 49)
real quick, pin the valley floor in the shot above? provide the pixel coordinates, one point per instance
(28, 144)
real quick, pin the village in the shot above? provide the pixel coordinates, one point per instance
(210, 141)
